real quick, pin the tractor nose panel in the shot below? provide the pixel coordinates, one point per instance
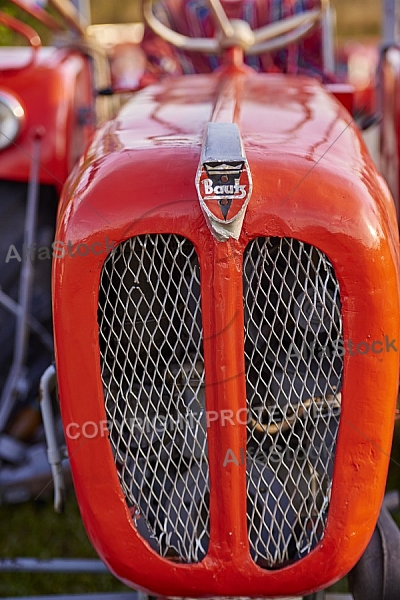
(152, 368)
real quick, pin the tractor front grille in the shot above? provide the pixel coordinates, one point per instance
(293, 337)
(152, 371)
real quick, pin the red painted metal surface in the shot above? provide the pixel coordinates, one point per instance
(313, 180)
(390, 129)
(344, 92)
(52, 91)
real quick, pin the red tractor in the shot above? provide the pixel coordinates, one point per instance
(226, 315)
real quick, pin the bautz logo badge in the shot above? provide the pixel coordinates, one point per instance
(224, 188)
(223, 180)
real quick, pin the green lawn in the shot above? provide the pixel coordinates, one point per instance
(34, 530)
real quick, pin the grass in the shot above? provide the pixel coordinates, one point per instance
(34, 530)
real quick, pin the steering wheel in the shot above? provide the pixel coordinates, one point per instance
(236, 32)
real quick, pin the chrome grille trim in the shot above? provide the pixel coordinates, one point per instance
(293, 376)
(152, 369)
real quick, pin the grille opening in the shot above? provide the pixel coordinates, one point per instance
(152, 369)
(293, 331)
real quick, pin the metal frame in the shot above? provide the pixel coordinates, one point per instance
(65, 565)
(16, 374)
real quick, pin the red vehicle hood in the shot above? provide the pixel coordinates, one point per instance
(314, 181)
(291, 127)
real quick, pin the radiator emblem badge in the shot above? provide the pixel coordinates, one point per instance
(223, 180)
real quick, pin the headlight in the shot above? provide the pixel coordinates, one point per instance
(11, 118)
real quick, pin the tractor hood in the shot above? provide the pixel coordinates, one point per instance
(298, 140)
(312, 251)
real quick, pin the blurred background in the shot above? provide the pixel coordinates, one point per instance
(32, 529)
(359, 18)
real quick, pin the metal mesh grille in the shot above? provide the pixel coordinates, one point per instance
(293, 349)
(152, 370)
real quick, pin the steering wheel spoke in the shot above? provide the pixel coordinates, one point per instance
(274, 30)
(282, 41)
